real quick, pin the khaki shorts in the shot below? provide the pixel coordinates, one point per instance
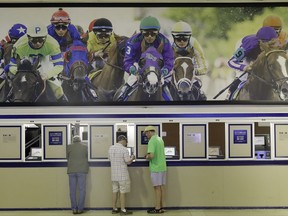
(122, 186)
(158, 178)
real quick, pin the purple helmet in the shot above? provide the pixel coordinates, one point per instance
(249, 42)
(17, 31)
(266, 33)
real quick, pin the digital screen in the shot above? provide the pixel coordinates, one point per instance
(169, 151)
(259, 140)
(129, 150)
(36, 152)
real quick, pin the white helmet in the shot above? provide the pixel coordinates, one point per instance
(181, 28)
(37, 31)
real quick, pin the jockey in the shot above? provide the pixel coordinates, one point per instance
(62, 30)
(247, 53)
(38, 44)
(100, 40)
(184, 44)
(14, 33)
(276, 23)
(149, 36)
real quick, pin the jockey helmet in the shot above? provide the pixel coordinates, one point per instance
(37, 31)
(266, 33)
(60, 16)
(91, 24)
(181, 28)
(149, 23)
(37, 35)
(102, 25)
(16, 31)
(273, 21)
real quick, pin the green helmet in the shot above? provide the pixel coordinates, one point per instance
(149, 23)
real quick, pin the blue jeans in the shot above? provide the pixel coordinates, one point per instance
(77, 180)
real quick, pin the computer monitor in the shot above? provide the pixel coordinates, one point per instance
(130, 150)
(170, 151)
(36, 152)
(260, 140)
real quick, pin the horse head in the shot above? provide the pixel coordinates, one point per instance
(76, 64)
(183, 75)
(112, 75)
(27, 85)
(271, 68)
(150, 64)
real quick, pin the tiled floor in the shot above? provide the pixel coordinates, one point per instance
(253, 212)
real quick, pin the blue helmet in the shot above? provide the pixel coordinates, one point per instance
(17, 31)
(266, 33)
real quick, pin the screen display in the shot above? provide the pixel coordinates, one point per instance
(130, 150)
(169, 151)
(260, 140)
(36, 152)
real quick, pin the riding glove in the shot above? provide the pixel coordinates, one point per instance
(132, 70)
(44, 76)
(164, 71)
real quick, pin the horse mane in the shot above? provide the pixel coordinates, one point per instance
(266, 48)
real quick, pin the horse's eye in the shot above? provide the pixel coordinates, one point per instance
(122, 51)
(67, 56)
(271, 67)
(160, 63)
(142, 62)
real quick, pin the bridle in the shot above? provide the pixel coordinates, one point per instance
(120, 46)
(146, 86)
(275, 84)
(184, 80)
(36, 96)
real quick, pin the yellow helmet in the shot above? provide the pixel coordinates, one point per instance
(273, 21)
(181, 28)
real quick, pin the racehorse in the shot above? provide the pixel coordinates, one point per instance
(111, 77)
(76, 85)
(268, 78)
(184, 78)
(27, 84)
(4, 85)
(149, 86)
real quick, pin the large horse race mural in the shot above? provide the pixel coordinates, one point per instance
(167, 54)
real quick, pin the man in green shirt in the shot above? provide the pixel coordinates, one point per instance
(157, 166)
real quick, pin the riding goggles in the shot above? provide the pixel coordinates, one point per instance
(101, 35)
(277, 30)
(35, 40)
(180, 38)
(151, 33)
(61, 26)
(13, 40)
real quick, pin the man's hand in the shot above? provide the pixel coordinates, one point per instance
(44, 76)
(248, 67)
(98, 54)
(164, 71)
(132, 70)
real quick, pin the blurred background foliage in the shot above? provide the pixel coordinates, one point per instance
(219, 28)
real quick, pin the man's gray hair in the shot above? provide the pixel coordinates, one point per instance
(76, 138)
(121, 137)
